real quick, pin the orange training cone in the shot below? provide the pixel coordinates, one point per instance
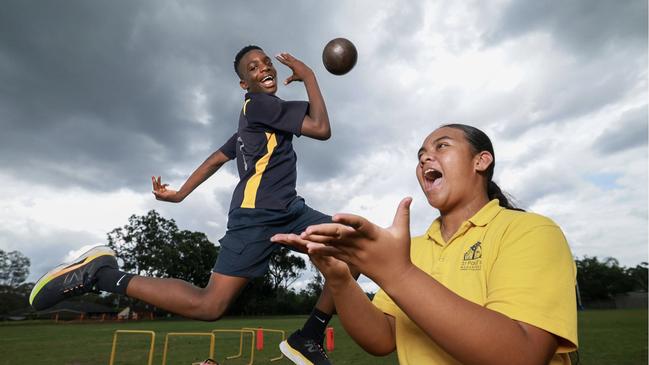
(260, 339)
(330, 338)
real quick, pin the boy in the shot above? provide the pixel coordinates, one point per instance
(263, 203)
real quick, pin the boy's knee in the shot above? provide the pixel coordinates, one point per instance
(212, 310)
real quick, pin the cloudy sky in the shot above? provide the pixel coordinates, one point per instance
(97, 96)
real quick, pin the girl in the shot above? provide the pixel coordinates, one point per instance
(486, 284)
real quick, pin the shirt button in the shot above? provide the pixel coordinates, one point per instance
(441, 259)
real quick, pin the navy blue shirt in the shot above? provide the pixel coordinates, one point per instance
(263, 147)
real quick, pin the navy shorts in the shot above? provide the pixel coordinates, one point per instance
(246, 248)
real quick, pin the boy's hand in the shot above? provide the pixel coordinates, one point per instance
(162, 193)
(300, 70)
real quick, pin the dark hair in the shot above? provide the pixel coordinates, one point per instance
(240, 55)
(479, 142)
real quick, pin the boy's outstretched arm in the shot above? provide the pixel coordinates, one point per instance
(316, 122)
(202, 173)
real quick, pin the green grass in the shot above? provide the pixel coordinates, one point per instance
(606, 337)
(613, 337)
(42, 342)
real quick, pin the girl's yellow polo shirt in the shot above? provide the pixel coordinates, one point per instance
(516, 263)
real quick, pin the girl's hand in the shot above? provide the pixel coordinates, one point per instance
(382, 254)
(336, 272)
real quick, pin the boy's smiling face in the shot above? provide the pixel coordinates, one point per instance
(258, 75)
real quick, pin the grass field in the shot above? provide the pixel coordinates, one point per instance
(608, 337)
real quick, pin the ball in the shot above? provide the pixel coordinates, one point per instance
(339, 56)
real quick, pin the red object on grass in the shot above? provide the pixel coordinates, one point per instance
(260, 339)
(330, 338)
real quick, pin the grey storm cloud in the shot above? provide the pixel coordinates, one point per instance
(554, 182)
(397, 28)
(588, 27)
(45, 250)
(564, 96)
(599, 35)
(629, 132)
(607, 46)
(100, 95)
(87, 89)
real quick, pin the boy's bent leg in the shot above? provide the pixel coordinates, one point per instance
(305, 346)
(98, 269)
(315, 325)
(185, 299)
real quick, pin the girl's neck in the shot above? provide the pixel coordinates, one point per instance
(452, 219)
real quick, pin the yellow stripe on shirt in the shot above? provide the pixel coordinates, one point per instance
(252, 185)
(244, 106)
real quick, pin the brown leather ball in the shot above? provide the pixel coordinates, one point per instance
(339, 56)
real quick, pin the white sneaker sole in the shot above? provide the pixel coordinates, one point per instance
(293, 355)
(55, 272)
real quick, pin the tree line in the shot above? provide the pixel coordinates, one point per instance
(154, 246)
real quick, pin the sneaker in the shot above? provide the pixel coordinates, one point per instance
(207, 362)
(67, 280)
(304, 351)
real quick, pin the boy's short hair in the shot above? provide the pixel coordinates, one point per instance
(240, 54)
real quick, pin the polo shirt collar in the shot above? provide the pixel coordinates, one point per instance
(485, 215)
(434, 232)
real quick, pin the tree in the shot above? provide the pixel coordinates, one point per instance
(602, 280)
(284, 268)
(14, 292)
(639, 276)
(315, 286)
(14, 268)
(154, 246)
(270, 294)
(193, 258)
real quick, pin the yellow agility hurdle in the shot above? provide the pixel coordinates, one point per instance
(283, 333)
(240, 353)
(171, 334)
(151, 347)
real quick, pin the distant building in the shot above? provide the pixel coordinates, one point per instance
(630, 300)
(68, 310)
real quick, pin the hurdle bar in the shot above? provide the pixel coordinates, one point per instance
(151, 347)
(171, 334)
(283, 333)
(240, 332)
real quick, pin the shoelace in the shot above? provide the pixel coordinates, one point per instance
(322, 351)
(75, 290)
(80, 288)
